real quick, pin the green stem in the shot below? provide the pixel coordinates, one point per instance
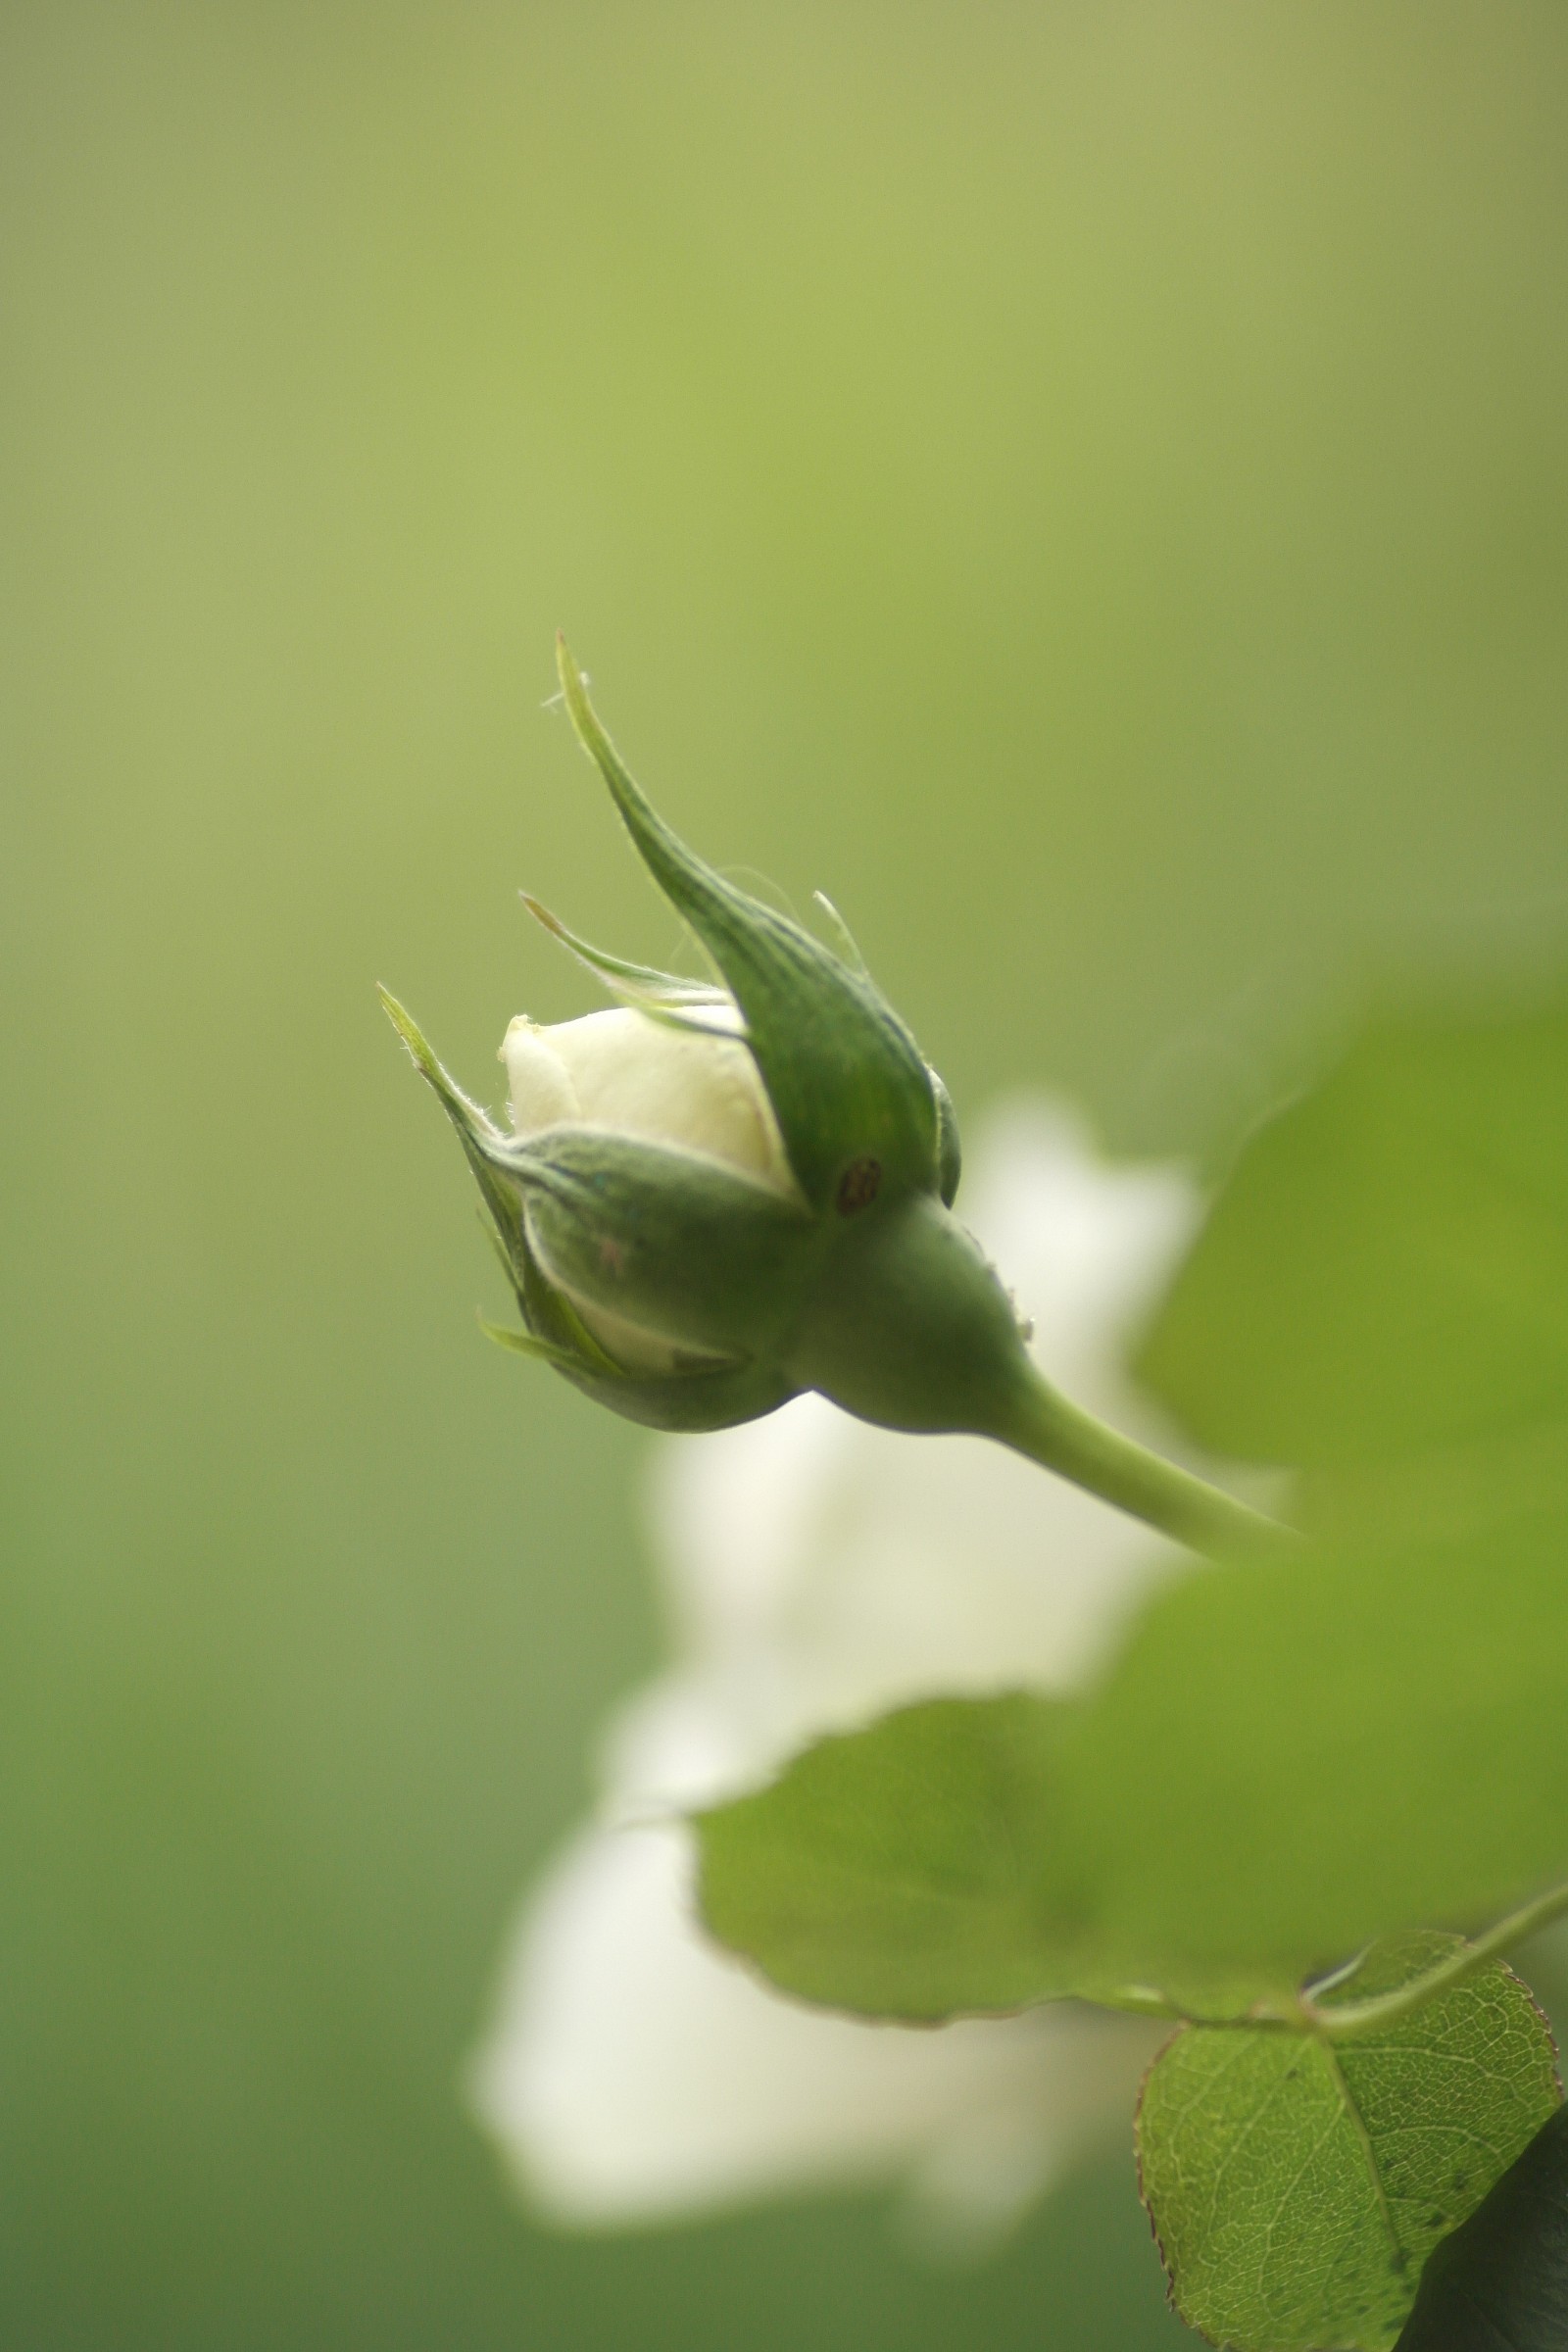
(1061, 1436)
(1342, 2021)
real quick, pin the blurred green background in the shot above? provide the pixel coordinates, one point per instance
(1084, 485)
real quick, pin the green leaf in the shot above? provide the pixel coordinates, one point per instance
(1291, 1761)
(1387, 1268)
(900, 1872)
(1287, 1762)
(1297, 2188)
(912, 1871)
(1501, 2282)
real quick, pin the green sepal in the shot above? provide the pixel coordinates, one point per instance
(551, 1319)
(949, 1151)
(846, 1079)
(691, 1402)
(476, 1133)
(678, 1244)
(637, 984)
(845, 944)
(523, 1343)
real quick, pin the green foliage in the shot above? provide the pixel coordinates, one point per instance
(1291, 1762)
(1501, 2279)
(900, 1872)
(1388, 1268)
(1296, 2186)
(1293, 1757)
(1287, 1762)
(1112, 467)
(929, 1867)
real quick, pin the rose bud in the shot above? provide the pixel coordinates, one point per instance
(728, 1191)
(723, 1192)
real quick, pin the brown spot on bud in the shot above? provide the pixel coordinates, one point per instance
(858, 1185)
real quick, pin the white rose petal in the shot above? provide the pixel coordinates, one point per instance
(695, 1088)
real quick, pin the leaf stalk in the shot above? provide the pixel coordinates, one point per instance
(1343, 2021)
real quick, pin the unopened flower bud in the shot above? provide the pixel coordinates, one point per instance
(721, 1192)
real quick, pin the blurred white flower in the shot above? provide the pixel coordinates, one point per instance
(819, 1571)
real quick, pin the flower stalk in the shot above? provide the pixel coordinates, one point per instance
(1057, 1433)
